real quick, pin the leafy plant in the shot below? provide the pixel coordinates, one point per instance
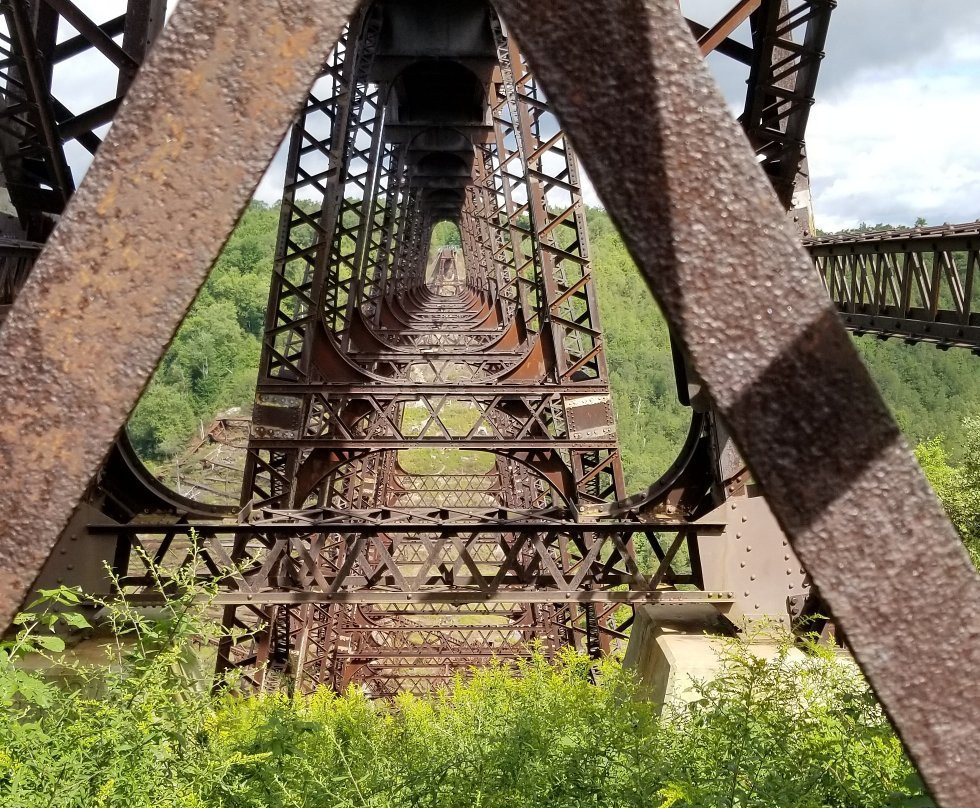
(132, 731)
(957, 486)
(797, 731)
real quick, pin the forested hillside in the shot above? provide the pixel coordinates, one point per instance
(212, 363)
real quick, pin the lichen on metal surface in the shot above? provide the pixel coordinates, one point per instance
(182, 159)
(704, 226)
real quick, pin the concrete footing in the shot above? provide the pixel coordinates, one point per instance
(669, 657)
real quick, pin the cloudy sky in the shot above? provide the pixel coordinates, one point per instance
(895, 131)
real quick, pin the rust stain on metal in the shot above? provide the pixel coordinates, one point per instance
(703, 224)
(187, 149)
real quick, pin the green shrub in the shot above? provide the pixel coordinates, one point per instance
(796, 730)
(132, 732)
(146, 729)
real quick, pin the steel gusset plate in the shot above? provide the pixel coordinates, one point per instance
(703, 224)
(188, 147)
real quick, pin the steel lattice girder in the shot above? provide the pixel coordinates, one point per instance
(381, 646)
(79, 345)
(449, 555)
(369, 278)
(37, 125)
(919, 284)
(36, 171)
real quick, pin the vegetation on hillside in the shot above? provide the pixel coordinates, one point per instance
(651, 423)
(957, 484)
(212, 362)
(148, 730)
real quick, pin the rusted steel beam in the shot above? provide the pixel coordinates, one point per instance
(788, 46)
(727, 47)
(26, 85)
(919, 284)
(667, 597)
(188, 148)
(741, 295)
(448, 527)
(94, 34)
(724, 28)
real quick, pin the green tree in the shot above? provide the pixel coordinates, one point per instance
(957, 486)
(208, 350)
(446, 234)
(162, 422)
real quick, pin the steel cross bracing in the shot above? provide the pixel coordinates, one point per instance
(919, 284)
(39, 125)
(444, 555)
(371, 350)
(351, 566)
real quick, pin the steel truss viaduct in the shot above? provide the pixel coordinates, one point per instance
(343, 563)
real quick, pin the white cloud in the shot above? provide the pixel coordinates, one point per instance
(889, 148)
(270, 187)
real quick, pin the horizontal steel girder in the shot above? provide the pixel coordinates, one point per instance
(915, 284)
